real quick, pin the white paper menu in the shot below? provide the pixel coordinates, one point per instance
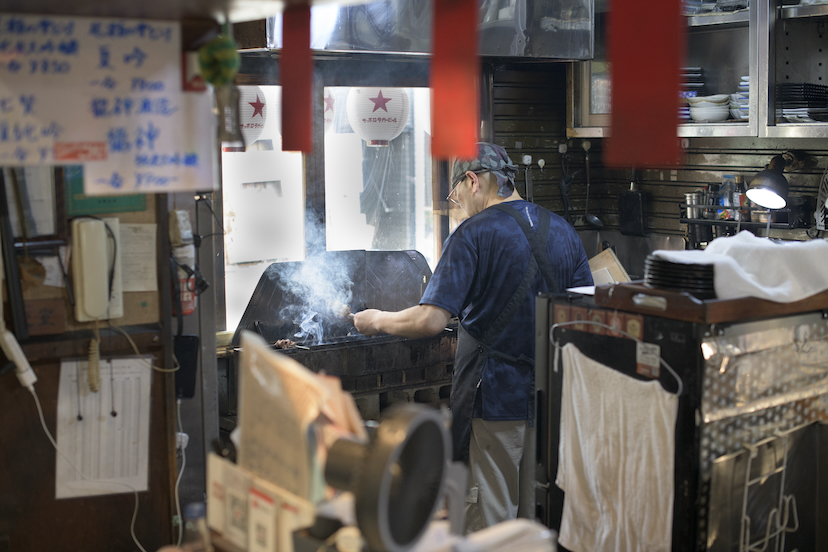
(107, 94)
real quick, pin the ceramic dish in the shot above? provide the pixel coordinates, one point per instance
(708, 104)
(710, 114)
(715, 99)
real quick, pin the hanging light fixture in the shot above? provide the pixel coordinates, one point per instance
(769, 188)
(377, 115)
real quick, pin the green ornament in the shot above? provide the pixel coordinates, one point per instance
(219, 60)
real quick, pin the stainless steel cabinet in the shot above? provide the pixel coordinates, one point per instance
(772, 43)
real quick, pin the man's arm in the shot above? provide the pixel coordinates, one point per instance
(417, 321)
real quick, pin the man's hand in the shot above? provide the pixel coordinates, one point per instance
(366, 322)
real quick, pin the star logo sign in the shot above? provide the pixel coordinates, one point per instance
(329, 103)
(379, 102)
(258, 107)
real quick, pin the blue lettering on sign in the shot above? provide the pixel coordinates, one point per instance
(107, 82)
(27, 102)
(20, 154)
(115, 181)
(44, 154)
(13, 66)
(166, 160)
(47, 67)
(137, 55)
(29, 132)
(145, 137)
(118, 140)
(44, 27)
(53, 131)
(120, 29)
(106, 107)
(148, 179)
(103, 52)
(139, 84)
(30, 47)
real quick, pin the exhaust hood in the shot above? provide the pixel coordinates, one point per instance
(543, 29)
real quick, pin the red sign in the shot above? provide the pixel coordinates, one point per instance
(80, 151)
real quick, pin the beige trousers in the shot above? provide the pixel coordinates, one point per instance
(501, 473)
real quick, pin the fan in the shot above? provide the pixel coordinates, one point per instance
(821, 214)
(397, 479)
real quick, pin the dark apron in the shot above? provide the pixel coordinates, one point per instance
(472, 354)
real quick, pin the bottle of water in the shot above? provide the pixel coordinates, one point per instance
(196, 534)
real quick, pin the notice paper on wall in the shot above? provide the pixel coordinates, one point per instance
(105, 435)
(138, 265)
(104, 93)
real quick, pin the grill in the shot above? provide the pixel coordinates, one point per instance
(302, 301)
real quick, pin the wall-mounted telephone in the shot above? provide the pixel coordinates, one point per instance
(96, 269)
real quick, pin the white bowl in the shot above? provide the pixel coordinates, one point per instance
(738, 114)
(710, 114)
(709, 104)
(716, 99)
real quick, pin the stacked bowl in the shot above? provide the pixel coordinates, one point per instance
(710, 109)
(739, 101)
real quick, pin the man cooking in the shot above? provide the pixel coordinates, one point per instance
(492, 267)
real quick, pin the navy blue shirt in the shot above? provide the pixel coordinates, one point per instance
(483, 262)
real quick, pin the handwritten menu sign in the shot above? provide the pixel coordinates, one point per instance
(104, 93)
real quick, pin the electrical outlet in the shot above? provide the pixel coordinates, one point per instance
(182, 439)
(562, 148)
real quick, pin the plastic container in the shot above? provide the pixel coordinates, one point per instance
(196, 535)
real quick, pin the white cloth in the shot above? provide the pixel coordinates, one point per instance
(615, 459)
(747, 266)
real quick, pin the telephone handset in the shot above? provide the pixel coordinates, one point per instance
(96, 269)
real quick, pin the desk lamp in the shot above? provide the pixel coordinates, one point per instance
(769, 188)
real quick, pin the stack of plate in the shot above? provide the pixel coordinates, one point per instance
(695, 279)
(711, 109)
(803, 102)
(739, 109)
(692, 86)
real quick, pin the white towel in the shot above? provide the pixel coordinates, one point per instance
(615, 460)
(747, 266)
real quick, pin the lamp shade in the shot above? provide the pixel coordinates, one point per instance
(377, 115)
(252, 112)
(769, 188)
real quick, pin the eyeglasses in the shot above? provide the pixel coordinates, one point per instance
(454, 189)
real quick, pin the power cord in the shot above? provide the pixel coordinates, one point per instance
(180, 474)
(137, 352)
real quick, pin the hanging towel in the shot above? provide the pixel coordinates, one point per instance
(747, 266)
(615, 459)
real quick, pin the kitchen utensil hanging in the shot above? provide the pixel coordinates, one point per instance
(592, 220)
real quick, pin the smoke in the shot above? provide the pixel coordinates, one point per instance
(317, 293)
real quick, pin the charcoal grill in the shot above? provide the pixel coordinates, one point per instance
(301, 301)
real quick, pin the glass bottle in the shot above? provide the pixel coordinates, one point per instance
(196, 534)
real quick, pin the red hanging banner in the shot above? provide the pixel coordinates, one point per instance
(296, 75)
(455, 80)
(646, 47)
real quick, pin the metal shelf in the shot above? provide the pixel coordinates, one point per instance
(797, 12)
(736, 223)
(719, 18)
(715, 130)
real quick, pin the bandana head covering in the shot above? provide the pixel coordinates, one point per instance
(490, 158)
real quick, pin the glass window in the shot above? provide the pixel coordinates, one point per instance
(263, 197)
(378, 196)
